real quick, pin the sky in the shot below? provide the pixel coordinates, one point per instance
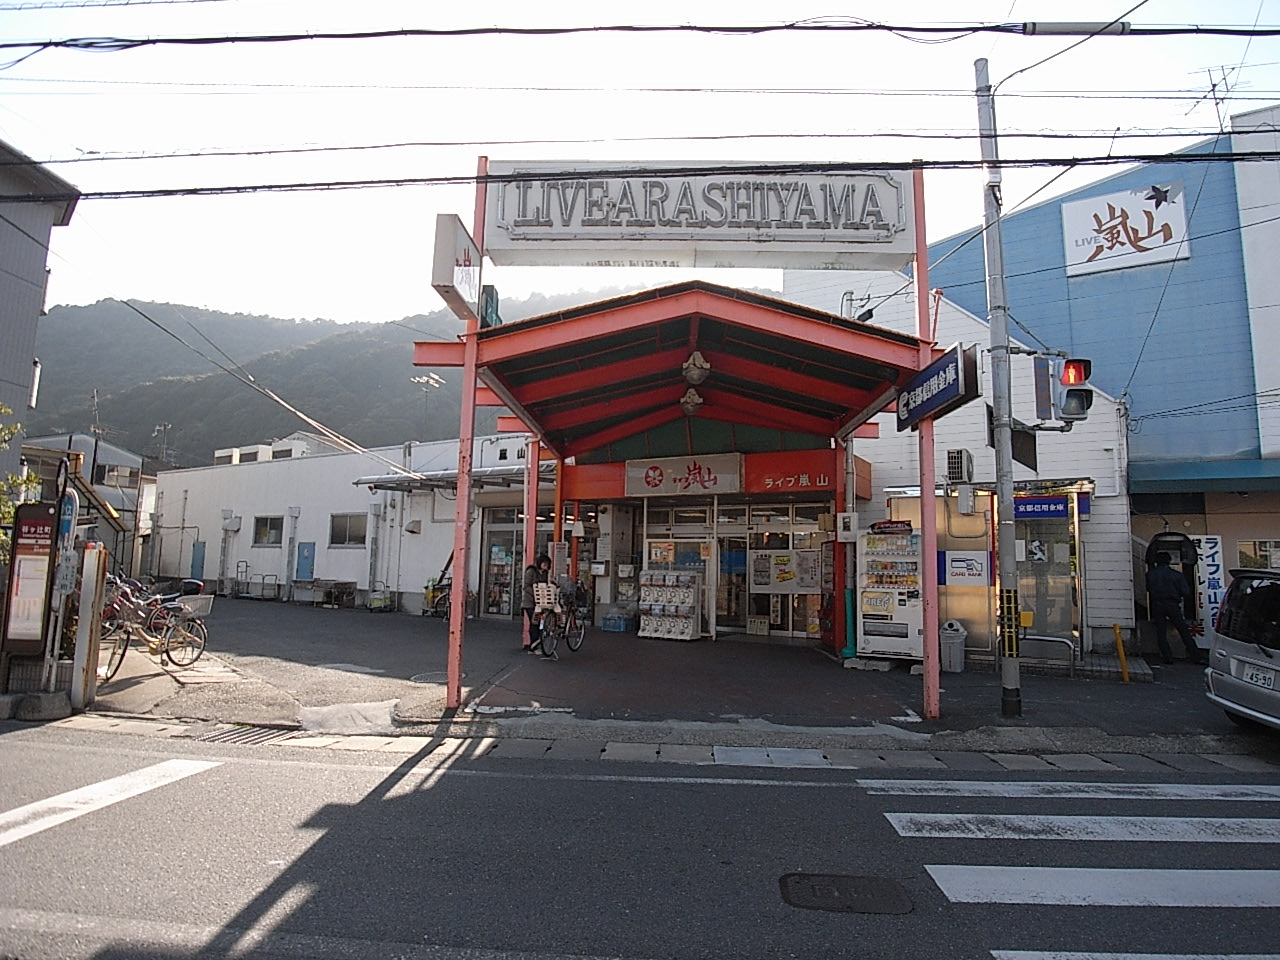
(110, 121)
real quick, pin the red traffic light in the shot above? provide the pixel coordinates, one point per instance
(1075, 372)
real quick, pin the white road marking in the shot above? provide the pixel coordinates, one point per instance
(1025, 827)
(1094, 887)
(1066, 955)
(1051, 789)
(43, 814)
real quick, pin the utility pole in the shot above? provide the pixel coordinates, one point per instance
(1001, 394)
(1001, 403)
(162, 431)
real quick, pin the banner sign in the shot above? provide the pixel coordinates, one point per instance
(785, 571)
(697, 215)
(1041, 508)
(684, 476)
(34, 538)
(1211, 580)
(1128, 229)
(455, 269)
(949, 382)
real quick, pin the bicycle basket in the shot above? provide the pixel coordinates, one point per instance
(199, 605)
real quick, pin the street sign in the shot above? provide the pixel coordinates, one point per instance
(949, 382)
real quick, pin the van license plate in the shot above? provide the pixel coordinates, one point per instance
(1259, 676)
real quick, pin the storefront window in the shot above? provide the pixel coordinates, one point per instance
(808, 513)
(731, 516)
(687, 516)
(777, 516)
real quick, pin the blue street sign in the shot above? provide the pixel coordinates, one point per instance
(949, 382)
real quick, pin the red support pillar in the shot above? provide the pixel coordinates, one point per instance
(466, 441)
(838, 555)
(928, 499)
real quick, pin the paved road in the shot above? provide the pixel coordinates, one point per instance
(118, 846)
(353, 671)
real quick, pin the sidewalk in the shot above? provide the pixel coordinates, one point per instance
(351, 671)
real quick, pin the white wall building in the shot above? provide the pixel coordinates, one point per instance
(1094, 451)
(293, 526)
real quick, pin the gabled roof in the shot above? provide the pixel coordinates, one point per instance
(605, 373)
(19, 174)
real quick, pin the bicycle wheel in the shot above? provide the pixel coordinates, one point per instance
(157, 621)
(111, 651)
(184, 642)
(574, 631)
(549, 635)
(441, 607)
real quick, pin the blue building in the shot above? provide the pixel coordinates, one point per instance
(1164, 277)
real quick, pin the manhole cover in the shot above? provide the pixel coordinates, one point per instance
(435, 676)
(244, 733)
(841, 894)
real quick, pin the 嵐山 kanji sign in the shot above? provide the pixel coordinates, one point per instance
(685, 476)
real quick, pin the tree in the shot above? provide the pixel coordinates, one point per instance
(11, 487)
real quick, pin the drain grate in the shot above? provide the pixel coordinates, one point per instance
(842, 894)
(247, 733)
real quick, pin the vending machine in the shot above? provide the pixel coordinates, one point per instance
(890, 591)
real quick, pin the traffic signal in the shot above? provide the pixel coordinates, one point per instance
(1072, 395)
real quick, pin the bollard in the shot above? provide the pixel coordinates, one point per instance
(1124, 665)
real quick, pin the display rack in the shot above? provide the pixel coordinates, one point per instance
(670, 605)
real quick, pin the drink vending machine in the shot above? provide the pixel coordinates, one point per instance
(890, 591)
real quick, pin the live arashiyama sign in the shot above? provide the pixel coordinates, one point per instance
(545, 214)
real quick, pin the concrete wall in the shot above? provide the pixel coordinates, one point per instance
(24, 237)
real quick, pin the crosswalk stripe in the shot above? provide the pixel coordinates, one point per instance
(1027, 827)
(1067, 789)
(43, 814)
(1069, 955)
(1084, 886)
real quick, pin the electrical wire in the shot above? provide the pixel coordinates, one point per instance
(209, 87)
(100, 157)
(248, 380)
(771, 169)
(1100, 30)
(100, 44)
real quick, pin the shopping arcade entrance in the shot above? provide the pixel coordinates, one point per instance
(604, 383)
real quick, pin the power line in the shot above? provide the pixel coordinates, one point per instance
(81, 4)
(101, 44)
(101, 157)
(203, 86)
(713, 170)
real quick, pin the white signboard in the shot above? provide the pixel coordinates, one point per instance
(455, 269)
(1127, 229)
(966, 568)
(685, 476)
(697, 215)
(1211, 579)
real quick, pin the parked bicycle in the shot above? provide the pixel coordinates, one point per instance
(170, 624)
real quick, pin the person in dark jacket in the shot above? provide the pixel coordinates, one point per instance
(536, 572)
(1166, 589)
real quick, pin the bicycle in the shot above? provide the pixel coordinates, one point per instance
(172, 629)
(185, 636)
(558, 616)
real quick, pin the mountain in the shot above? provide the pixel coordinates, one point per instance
(353, 378)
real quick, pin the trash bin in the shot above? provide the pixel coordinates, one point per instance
(952, 638)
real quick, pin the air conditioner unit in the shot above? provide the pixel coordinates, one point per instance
(959, 466)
